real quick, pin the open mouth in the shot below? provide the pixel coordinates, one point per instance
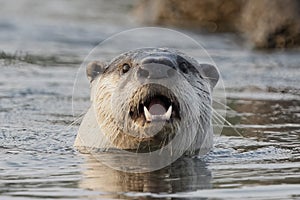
(155, 105)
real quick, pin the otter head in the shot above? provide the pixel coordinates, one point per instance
(146, 97)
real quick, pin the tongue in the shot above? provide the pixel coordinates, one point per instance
(156, 107)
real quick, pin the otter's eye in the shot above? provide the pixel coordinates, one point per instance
(125, 68)
(183, 67)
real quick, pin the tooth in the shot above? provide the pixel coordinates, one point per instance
(167, 115)
(147, 114)
(149, 117)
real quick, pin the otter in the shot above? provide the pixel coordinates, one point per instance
(148, 98)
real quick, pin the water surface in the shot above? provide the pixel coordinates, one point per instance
(258, 157)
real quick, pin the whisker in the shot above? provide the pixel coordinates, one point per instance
(222, 104)
(75, 121)
(220, 117)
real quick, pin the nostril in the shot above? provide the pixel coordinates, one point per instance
(143, 73)
(171, 72)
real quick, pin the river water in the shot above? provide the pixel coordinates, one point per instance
(42, 46)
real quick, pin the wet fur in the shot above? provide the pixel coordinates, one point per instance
(112, 93)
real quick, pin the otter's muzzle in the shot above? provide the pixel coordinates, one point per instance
(156, 68)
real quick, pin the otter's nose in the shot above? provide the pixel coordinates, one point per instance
(156, 68)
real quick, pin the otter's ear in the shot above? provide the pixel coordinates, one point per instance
(211, 73)
(95, 69)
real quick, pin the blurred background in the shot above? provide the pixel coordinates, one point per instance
(255, 45)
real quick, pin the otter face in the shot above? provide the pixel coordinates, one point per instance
(145, 97)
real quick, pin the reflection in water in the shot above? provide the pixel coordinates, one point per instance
(275, 121)
(267, 113)
(186, 174)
